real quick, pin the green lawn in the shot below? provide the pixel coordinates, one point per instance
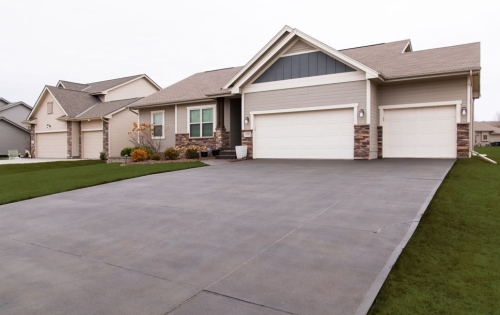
(25, 181)
(451, 265)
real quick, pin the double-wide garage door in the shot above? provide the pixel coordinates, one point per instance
(422, 132)
(51, 145)
(324, 134)
(92, 144)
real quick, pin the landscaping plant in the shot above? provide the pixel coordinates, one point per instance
(126, 151)
(139, 155)
(171, 153)
(192, 153)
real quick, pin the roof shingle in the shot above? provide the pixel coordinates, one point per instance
(105, 108)
(73, 102)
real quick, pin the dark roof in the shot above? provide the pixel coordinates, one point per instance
(105, 108)
(73, 86)
(390, 60)
(2, 118)
(73, 102)
(194, 87)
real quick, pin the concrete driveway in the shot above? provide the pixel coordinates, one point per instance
(251, 237)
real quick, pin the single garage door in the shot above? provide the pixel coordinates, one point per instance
(51, 145)
(424, 132)
(325, 134)
(92, 144)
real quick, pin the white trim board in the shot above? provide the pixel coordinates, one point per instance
(94, 129)
(458, 105)
(368, 101)
(354, 106)
(214, 119)
(303, 82)
(51, 131)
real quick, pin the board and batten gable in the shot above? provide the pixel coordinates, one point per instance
(169, 123)
(310, 96)
(44, 119)
(424, 92)
(120, 125)
(138, 88)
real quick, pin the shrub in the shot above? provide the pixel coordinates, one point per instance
(171, 153)
(126, 151)
(139, 155)
(148, 150)
(102, 156)
(155, 157)
(192, 153)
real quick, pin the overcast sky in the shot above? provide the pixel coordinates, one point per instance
(87, 41)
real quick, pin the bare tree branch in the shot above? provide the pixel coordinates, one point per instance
(142, 136)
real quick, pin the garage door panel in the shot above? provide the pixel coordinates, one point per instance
(92, 144)
(51, 145)
(325, 134)
(426, 132)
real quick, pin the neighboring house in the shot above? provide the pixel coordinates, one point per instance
(486, 132)
(13, 135)
(299, 98)
(75, 120)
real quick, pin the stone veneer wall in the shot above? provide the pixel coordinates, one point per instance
(69, 142)
(463, 141)
(182, 142)
(380, 133)
(220, 138)
(248, 141)
(32, 141)
(361, 142)
(80, 139)
(105, 137)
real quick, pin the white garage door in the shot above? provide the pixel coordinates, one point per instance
(51, 145)
(425, 132)
(92, 144)
(326, 134)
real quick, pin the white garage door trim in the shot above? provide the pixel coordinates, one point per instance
(442, 146)
(91, 153)
(344, 150)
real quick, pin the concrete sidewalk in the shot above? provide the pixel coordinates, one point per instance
(28, 161)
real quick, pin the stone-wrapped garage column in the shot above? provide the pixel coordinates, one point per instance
(247, 139)
(361, 142)
(463, 141)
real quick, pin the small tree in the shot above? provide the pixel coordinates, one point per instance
(141, 135)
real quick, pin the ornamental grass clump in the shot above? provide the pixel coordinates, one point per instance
(171, 153)
(192, 153)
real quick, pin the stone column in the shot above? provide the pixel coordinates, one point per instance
(247, 139)
(361, 142)
(380, 139)
(105, 140)
(463, 141)
(80, 139)
(32, 141)
(69, 142)
(220, 135)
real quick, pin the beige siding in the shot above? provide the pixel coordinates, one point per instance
(75, 149)
(145, 117)
(51, 119)
(137, 88)
(92, 125)
(299, 47)
(424, 92)
(321, 95)
(119, 126)
(374, 113)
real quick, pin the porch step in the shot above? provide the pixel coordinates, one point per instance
(226, 154)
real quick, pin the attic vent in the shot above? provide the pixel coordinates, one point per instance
(302, 66)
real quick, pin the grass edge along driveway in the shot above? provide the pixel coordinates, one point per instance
(451, 264)
(26, 181)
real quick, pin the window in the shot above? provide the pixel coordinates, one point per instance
(157, 118)
(485, 137)
(50, 108)
(201, 122)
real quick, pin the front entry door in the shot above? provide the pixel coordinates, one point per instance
(235, 122)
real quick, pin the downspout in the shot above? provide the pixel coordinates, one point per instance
(471, 113)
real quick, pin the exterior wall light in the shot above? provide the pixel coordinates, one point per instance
(464, 111)
(48, 126)
(247, 120)
(361, 113)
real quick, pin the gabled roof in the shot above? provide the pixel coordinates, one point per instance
(105, 108)
(2, 118)
(73, 102)
(192, 88)
(3, 100)
(102, 86)
(487, 126)
(390, 59)
(10, 105)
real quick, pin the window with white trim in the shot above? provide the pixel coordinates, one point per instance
(50, 108)
(485, 137)
(157, 124)
(201, 122)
